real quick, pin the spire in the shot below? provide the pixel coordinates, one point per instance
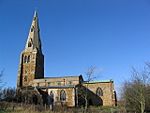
(33, 41)
(35, 13)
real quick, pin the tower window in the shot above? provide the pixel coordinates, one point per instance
(62, 95)
(28, 59)
(99, 92)
(29, 44)
(25, 59)
(31, 29)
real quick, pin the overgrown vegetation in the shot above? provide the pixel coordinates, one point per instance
(1, 82)
(30, 108)
(136, 91)
(8, 94)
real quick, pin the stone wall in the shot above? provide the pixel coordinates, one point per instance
(57, 81)
(70, 96)
(107, 97)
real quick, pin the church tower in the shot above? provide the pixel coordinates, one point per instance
(31, 59)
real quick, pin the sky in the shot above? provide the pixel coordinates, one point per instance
(112, 35)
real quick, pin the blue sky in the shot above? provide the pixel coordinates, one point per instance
(112, 35)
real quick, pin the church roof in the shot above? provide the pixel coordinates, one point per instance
(71, 76)
(57, 77)
(65, 86)
(99, 81)
(74, 78)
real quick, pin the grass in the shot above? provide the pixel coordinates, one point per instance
(22, 108)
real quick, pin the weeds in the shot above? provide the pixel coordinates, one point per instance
(7, 107)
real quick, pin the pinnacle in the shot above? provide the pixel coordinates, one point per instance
(35, 13)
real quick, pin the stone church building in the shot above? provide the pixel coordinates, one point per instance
(70, 90)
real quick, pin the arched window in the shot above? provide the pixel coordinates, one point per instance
(99, 92)
(28, 60)
(62, 95)
(32, 28)
(29, 44)
(25, 59)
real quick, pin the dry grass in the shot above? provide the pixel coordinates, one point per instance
(22, 108)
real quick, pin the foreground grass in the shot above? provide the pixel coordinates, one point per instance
(18, 108)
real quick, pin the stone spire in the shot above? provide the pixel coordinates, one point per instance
(33, 41)
(31, 59)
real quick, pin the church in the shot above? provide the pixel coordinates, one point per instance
(69, 90)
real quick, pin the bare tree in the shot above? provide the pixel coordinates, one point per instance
(90, 76)
(83, 90)
(8, 94)
(136, 92)
(1, 82)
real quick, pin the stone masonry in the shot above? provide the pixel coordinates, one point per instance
(65, 89)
